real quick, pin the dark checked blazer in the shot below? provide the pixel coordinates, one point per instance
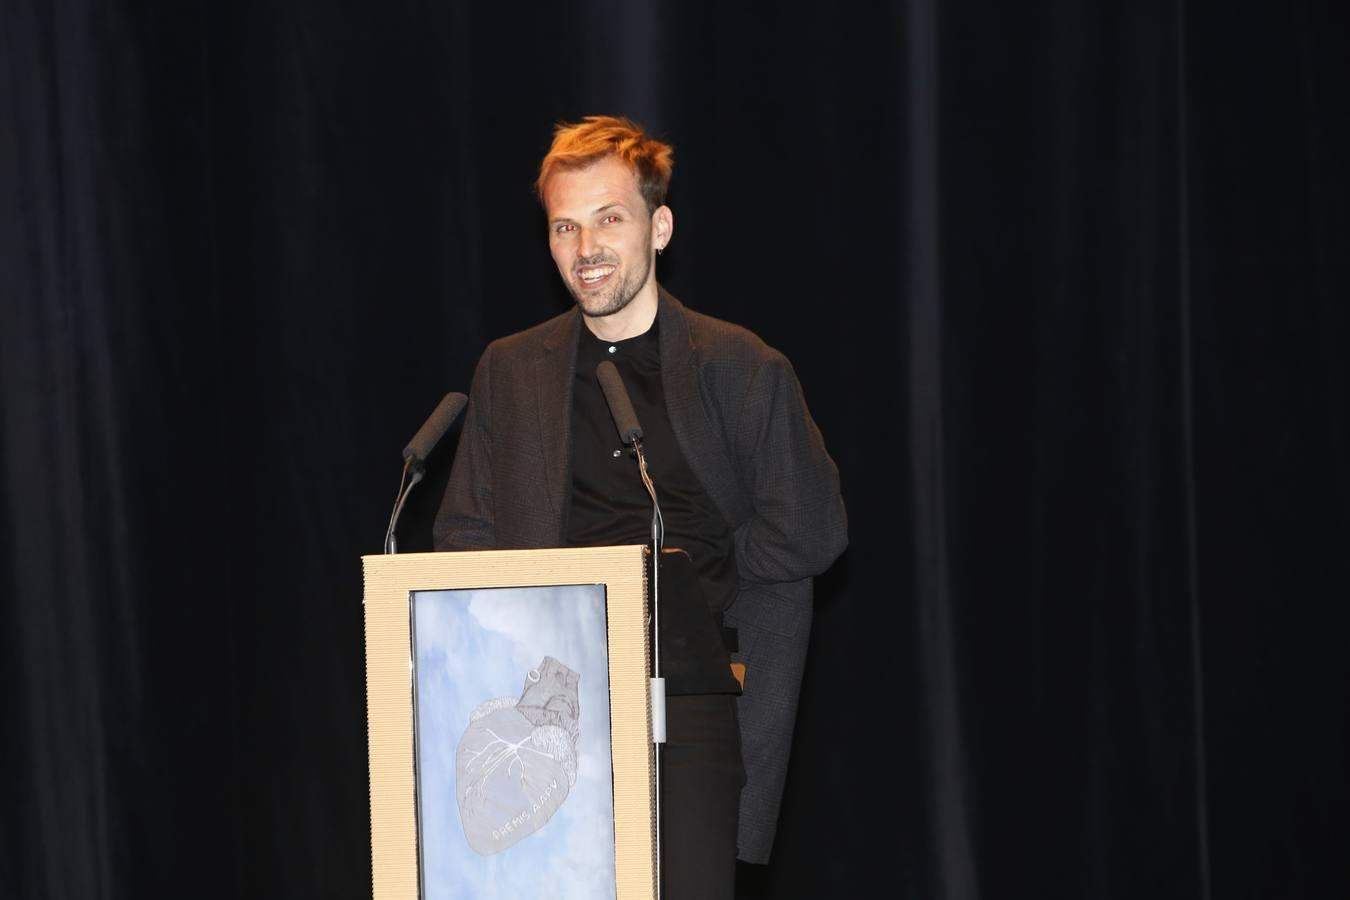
(741, 421)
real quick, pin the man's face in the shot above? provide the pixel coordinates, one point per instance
(600, 234)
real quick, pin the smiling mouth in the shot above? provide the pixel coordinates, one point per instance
(595, 274)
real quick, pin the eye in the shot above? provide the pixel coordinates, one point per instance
(564, 228)
(609, 219)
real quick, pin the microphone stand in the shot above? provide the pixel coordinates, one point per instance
(418, 469)
(658, 684)
(630, 432)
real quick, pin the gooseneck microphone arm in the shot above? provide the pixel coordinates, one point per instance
(405, 487)
(416, 453)
(658, 542)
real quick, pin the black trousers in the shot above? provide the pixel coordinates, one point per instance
(701, 780)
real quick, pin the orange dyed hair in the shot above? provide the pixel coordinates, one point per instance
(579, 144)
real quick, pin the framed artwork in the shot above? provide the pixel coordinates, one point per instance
(509, 722)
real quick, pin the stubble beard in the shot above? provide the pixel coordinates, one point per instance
(619, 295)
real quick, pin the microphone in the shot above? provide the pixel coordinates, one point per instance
(416, 453)
(630, 432)
(620, 406)
(435, 427)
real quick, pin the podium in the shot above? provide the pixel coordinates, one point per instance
(509, 719)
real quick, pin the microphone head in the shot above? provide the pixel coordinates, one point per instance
(620, 406)
(435, 427)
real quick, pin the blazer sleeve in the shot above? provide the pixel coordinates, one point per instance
(797, 526)
(464, 520)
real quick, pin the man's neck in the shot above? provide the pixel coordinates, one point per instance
(631, 321)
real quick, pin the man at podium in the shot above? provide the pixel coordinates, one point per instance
(748, 493)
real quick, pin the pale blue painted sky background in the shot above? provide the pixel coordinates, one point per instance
(476, 645)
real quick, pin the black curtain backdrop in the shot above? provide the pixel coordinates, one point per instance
(1064, 282)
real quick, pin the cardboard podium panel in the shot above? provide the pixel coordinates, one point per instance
(510, 724)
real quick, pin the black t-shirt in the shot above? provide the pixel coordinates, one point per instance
(609, 503)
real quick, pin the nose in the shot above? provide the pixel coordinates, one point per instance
(586, 245)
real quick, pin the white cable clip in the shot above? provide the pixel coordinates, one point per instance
(658, 689)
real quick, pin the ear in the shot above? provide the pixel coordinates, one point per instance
(663, 227)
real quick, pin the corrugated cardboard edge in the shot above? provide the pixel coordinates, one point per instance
(389, 580)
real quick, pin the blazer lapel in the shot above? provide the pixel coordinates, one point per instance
(555, 371)
(703, 446)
